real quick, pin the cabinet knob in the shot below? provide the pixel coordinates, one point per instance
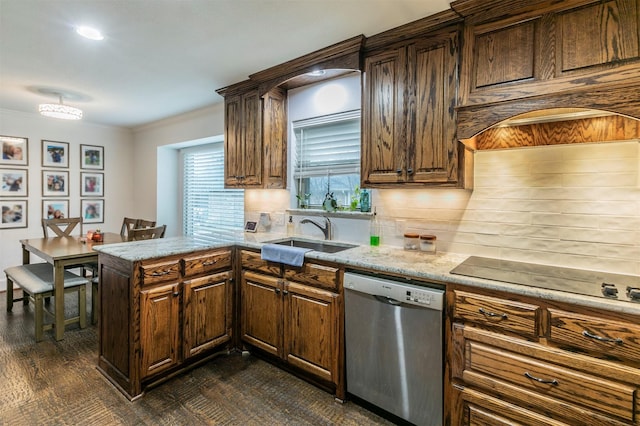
(176, 293)
(277, 290)
(399, 171)
(285, 292)
(409, 171)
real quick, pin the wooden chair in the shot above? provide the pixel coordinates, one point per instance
(147, 233)
(127, 225)
(142, 223)
(60, 227)
(64, 228)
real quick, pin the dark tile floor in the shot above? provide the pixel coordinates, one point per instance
(56, 383)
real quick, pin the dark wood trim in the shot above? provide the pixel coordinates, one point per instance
(421, 27)
(623, 100)
(483, 10)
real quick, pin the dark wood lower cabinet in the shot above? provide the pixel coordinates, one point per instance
(159, 316)
(295, 315)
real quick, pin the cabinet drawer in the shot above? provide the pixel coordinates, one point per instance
(507, 315)
(252, 260)
(484, 413)
(526, 379)
(207, 262)
(611, 339)
(315, 275)
(160, 272)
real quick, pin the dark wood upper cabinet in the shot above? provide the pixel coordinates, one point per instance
(408, 112)
(275, 139)
(522, 56)
(243, 140)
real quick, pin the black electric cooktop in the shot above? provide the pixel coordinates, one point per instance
(590, 283)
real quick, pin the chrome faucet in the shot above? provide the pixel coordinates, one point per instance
(326, 230)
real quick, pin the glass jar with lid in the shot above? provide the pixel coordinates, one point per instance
(428, 243)
(411, 241)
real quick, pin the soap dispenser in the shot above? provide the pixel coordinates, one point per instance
(290, 226)
(374, 230)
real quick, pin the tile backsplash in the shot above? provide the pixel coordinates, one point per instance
(567, 205)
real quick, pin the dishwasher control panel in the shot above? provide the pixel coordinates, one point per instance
(398, 291)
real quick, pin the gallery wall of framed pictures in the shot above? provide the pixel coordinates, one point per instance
(54, 175)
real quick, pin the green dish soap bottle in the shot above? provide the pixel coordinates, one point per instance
(374, 231)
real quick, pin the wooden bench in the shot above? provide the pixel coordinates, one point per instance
(36, 282)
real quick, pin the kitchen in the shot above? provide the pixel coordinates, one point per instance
(507, 215)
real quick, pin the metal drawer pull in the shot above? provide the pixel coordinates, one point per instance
(212, 262)
(617, 340)
(545, 381)
(159, 274)
(492, 314)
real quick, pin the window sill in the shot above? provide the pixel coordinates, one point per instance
(338, 214)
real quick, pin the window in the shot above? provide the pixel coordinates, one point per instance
(327, 158)
(209, 210)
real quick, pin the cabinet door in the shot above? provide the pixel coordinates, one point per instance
(243, 140)
(433, 148)
(159, 322)
(275, 139)
(262, 312)
(311, 330)
(384, 126)
(207, 313)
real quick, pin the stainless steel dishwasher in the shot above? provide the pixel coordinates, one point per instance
(394, 346)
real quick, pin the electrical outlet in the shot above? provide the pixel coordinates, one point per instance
(278, 219)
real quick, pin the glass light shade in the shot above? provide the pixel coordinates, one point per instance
(64, 112)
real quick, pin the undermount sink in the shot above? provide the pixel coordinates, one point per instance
(322, 246)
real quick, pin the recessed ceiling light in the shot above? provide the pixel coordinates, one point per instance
(90, 33)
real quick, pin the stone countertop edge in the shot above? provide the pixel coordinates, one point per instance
(384, 259)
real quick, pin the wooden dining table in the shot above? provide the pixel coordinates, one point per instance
(63, 252)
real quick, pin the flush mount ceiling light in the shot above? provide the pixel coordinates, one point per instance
(60, 110)
(316, 73)
(89, 32)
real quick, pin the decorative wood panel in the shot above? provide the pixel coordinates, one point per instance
(505, 55)
(603, 33)
(207, 313)
(261, 321)
(159, 338)
(433, 66)
(311, 330)
(251, 139)
(384, 132)
(275, 139)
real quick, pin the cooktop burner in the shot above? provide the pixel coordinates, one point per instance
(589, 283)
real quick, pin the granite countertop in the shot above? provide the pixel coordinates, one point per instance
(385, 259)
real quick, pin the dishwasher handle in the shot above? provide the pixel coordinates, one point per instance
(387, 300)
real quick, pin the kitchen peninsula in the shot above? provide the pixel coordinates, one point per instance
(170, 304)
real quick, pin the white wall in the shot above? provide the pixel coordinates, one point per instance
(156, 170)
(118, 192)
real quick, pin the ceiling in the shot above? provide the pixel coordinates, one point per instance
(161, 58)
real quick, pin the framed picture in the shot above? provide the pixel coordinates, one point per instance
(91, 157)
(92, 211)
(14, 183)
(55, 154)
(14, 214)
(91, 184)
(14, 151)
(55, 209)
(55, 183)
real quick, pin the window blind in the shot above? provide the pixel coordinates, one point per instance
(327, 144)
(209, 210)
